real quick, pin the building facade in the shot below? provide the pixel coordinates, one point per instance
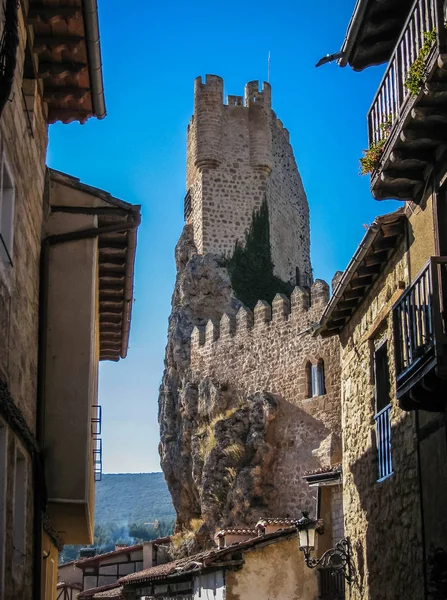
(51, 56)
(388, 311)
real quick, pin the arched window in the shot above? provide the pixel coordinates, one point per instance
(308, 372)
(315, 384)
(321, 386)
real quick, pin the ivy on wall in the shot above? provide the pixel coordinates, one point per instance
(251, 266)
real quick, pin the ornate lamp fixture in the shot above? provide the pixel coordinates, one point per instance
(337, 559)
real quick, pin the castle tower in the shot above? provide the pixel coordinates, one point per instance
(239, 155)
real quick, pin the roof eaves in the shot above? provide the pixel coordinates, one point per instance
(364, 247)
(352, 32)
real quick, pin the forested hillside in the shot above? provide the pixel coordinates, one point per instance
(132, 497)
(130, 507)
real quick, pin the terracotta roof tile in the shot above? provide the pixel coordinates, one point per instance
(331, 469)
(224, 532)
(287, 522)
(98, 557)
(87, 594)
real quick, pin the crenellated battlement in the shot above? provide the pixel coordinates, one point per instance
(303, 309)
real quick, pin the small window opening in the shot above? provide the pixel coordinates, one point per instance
(383, 409)
(308, 372)
(318, 386)
(7, 193)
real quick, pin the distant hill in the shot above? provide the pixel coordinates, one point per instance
(132, 498)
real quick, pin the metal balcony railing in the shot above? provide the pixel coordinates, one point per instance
(332, 585)
(419, 321)
(383, 437)
(392, 95)
(96, 423)
(97, 458)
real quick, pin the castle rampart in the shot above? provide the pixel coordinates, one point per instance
(239, 155)
(272, 349)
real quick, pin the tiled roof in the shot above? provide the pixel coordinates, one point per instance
(202, 560)
(91, 593)
(85, 562)
(379, 243)
(68, 584)
(277, 521)
(67, 58)
(224, 532)
(330, 469)
(115, 594)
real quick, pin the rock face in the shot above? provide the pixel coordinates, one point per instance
(214, 449)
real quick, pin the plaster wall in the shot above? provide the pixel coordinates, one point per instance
(71, 382)
(238, 154)
(421, 236)
(374, 510)
(269, 351)
(274, 572)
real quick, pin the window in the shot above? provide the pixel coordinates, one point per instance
(7, 193)
(315, 385)
(383, 407)
(19, 523)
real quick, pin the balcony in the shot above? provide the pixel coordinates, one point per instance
(420, 340)
(332, 585)
(407, 121)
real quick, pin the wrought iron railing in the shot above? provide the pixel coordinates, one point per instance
(418, 319)
(332, 584)
(97, 458)
(392, 94)
(96, 423)
(383, 437)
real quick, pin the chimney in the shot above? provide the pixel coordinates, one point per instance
(228, 537)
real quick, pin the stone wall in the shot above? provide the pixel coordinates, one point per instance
(237, 155)
(23, 144)
(268, 351)
(382, 518)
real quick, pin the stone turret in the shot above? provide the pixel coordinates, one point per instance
(238, 156)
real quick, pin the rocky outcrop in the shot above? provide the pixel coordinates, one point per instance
(214, 445)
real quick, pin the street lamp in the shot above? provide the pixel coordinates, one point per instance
(337, 559)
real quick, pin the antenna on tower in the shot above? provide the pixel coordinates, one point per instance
(268, 68)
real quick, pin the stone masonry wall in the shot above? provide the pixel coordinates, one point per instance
(268, 351)
(380, 554)
(24, 152)
(237, 155)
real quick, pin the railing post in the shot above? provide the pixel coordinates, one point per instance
(437, 304)
(440, 25)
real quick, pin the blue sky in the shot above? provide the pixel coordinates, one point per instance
(152, 51)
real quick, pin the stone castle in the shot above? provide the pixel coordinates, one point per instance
(239, 154)
(250, 399)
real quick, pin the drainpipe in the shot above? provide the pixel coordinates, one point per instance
(90, 12)
(38, 465)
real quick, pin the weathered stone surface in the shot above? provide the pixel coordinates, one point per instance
(239, 154)
(382, 518)
(238, 429)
